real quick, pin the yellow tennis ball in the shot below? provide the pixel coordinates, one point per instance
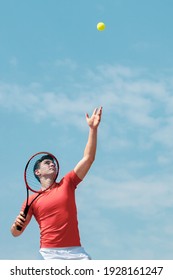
(101, 26)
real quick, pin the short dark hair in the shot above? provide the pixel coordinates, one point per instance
(37, 164)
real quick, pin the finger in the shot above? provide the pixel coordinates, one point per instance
(95, 111)
(21, 218)
(22, 214)
(99, 111)
(19, 223)
(87, 116)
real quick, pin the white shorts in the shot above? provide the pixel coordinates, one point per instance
(66, 253)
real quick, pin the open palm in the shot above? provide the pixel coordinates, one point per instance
(95, 118)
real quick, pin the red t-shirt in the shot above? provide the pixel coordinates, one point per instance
(56, 214)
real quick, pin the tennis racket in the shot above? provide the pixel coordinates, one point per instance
(40, 164)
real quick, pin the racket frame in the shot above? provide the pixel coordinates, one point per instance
(28, 188)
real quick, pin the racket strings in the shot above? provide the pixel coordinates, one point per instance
(41, 165)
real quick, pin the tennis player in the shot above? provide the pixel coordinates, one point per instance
(55, 210)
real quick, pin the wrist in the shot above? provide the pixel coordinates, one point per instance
(93, 128)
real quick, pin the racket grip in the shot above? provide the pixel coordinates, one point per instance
(19, 228)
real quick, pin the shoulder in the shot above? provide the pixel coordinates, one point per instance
(72, 178)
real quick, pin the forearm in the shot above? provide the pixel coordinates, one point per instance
(85, 163)
(91, 146)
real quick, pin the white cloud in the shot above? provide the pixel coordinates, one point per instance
(145, 196)
(67, 63)
(127, 95)
(133, 214)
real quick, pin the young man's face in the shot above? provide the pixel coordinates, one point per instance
(46, 169)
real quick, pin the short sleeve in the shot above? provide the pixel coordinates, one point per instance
(72, 178)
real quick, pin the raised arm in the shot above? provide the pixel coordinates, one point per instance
(85, 163)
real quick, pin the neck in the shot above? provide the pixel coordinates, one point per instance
(46, 183)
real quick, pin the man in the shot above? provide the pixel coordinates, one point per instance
(55, 210)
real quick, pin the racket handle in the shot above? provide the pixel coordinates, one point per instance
(19, 228)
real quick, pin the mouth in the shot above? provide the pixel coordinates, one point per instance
(52, 168)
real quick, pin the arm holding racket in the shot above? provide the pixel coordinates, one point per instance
(20, 222)
(85, 163)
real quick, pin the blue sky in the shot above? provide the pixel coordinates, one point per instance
(54, 67)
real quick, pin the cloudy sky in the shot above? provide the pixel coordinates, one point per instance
(54, 67)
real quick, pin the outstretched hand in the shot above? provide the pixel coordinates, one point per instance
(95, 118)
